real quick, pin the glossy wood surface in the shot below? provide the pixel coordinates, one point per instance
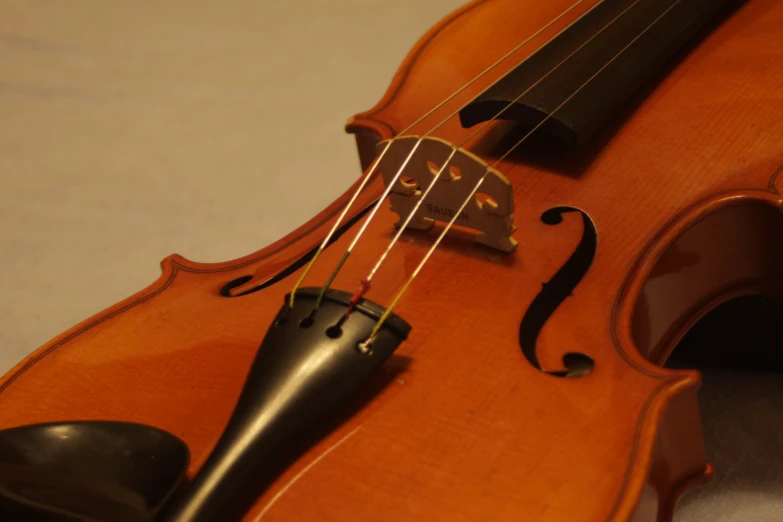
(459, 426)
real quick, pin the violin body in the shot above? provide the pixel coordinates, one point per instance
(679, 202)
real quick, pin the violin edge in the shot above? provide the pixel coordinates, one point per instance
(664, 464)
(172, 264)
(673, 409)
(367, 121)
(674, 229)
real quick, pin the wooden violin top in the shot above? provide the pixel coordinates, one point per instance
(460, 425)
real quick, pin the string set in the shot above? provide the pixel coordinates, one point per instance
(366, 345)
(402, 167)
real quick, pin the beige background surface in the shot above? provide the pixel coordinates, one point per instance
(131, 130)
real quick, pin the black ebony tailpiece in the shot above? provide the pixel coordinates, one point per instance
(308, 363)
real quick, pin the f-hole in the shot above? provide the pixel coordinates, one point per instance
(557, 290)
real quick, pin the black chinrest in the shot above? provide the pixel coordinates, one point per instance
(89, 471)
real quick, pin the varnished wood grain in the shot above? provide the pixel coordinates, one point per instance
(465, 428)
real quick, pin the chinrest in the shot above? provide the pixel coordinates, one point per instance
(88, 471)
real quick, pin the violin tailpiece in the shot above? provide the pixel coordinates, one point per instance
(309, 362)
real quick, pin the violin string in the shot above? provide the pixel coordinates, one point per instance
(365, 283)
(374, 166)
(436, 177)
(366, 345)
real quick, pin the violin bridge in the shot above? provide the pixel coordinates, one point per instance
(489, 211)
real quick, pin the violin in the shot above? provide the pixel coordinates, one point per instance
(551, 197)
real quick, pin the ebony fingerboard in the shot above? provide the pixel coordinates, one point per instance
(635, 40)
